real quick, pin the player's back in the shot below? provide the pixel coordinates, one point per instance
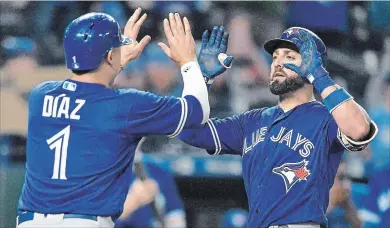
(79, 153)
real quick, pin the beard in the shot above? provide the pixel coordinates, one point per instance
(290, 84)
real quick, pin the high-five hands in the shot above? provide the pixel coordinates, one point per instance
(181, 47)
(212, 58)
(134, 49)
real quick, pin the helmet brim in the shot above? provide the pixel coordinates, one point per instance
(271, 45)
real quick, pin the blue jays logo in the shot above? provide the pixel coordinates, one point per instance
(292, 173)
(291, 31)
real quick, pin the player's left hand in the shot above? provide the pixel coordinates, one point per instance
(212, 58)
(312, 66)
(132, 51)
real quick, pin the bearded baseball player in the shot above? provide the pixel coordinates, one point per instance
(290, 152)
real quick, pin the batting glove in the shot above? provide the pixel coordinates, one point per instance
(312, 67)
(212, 58)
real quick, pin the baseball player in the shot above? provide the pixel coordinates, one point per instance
(82, 134)
(291, 152)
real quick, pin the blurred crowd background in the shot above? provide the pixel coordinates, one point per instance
(357, 35)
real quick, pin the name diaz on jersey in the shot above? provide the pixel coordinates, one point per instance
(56, 107)
(288, 137)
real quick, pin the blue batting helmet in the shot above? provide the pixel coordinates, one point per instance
(289, 35)
(88, 39)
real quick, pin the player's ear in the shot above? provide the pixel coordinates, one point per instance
(109, 57)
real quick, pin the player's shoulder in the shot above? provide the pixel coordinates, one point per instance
(46, 86)
(269, 111)
(42, 89)
(317, 106)
(316, 109)
(254, 113)
(135, 94)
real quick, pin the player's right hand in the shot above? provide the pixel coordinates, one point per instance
(131, 30)
(181, 47)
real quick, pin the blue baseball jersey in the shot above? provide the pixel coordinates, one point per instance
(81, 142)
(168, 200)
(289, 159)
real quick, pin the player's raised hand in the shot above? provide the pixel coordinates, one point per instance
(312, 66)
(181, 47)
(212, 58)
(131, 30)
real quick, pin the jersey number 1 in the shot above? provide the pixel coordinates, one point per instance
(59, 142)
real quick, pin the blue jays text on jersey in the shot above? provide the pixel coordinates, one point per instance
(289, 159)
(81, 142)
(168, 200)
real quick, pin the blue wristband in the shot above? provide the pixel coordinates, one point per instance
(322, 83)
(336, 98)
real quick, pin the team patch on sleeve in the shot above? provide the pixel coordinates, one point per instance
(183, 118)
(352, 145)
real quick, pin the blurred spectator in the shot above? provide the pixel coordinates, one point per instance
(13, 17)
(234, 218)
(158, 10)
(162, 72)
(162, 77)
(116, 9)
(49, 22)
(377, 203)
(340, 198)
(362, 37)
(20, 54)
(248, 79)
(219, 97)
(379, 17)
(20, 60)
(160, 187)
(133, 75)
(380, 113)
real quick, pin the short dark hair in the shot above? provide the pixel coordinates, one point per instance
(81, 72)
(289, 45)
